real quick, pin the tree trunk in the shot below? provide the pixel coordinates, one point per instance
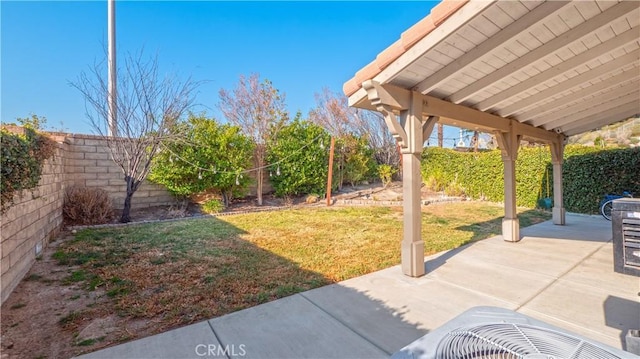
(440, 135)
(132, 186)
(126, 211)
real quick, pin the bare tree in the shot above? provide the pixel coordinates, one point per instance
(258, 108)
(380, 139)
(334, 114)
(147, 107)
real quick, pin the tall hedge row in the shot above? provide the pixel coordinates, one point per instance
(588, 174)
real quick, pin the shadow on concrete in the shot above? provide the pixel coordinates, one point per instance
(622, 314)
(328, 321)
(480, 230)
(431, 265)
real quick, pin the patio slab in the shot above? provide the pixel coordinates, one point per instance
(562, 275)
(292, 327)
(186, 342)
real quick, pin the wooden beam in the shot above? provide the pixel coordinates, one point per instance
(533, 17)
(393, 96)
(473, 117)
(585, 28)
(578, 95)
(575, 81)
(427, 127)
(600, 108)
(581, 108)
(605, 118)
(560, 69)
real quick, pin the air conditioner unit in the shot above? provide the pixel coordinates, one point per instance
(490, 332)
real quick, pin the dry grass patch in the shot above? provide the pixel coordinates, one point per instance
(181, 272)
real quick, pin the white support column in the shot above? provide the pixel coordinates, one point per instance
(410, 133)
(509, 143)
(412, 243)
(557, 153)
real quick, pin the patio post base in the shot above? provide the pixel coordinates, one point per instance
(511, 229)
(413, 259)
(559, 216)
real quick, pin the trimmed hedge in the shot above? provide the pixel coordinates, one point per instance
(588, 174)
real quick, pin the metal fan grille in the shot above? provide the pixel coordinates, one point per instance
(511, 341)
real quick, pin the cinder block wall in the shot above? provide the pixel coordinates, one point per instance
(34, 219)
(89, 164)
(27, 227)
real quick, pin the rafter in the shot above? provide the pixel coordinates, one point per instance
(616, 42)
(575, 81)
(601, 108)
(631, 75)
(602, 118)
(579, 109)
(585, 28)
(511, 31)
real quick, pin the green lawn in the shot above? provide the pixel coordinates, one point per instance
(185, 271)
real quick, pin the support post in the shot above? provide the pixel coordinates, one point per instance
(409, 133)
(330, 176)
(557, 154)
(412, 248)
(509, 143)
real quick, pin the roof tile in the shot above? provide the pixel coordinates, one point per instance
(410, 37)
(417, 32)
(445, 9)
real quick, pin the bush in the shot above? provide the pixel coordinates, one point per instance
(386, 173)
(588, 173)
(212, 206)
(214, 157)
(21, 162)
(84, 205)
(353, 161)
(300, 162)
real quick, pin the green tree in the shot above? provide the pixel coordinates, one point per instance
(299, 154)
(214, 156)
(354, 162)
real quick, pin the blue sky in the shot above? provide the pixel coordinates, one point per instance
(300, 46)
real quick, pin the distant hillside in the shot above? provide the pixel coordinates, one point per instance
(625, 134)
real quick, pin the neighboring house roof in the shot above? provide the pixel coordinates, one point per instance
(563, 66)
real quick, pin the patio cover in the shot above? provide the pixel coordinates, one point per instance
(536, 70)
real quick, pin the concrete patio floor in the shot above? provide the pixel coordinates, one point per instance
(562, 275)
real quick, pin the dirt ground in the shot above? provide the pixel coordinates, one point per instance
(50, 316)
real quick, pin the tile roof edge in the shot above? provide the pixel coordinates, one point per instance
(410, 37)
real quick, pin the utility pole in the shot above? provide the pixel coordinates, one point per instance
(112, 121)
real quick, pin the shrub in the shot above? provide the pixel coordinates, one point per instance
(588, 173)
(212, 206)
(84, 205)
(386, 173)
(214, 157)
(300, 156)
(21, 162)
(354, 161)
(454, 189)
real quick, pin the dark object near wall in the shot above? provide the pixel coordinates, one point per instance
(625, 218)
